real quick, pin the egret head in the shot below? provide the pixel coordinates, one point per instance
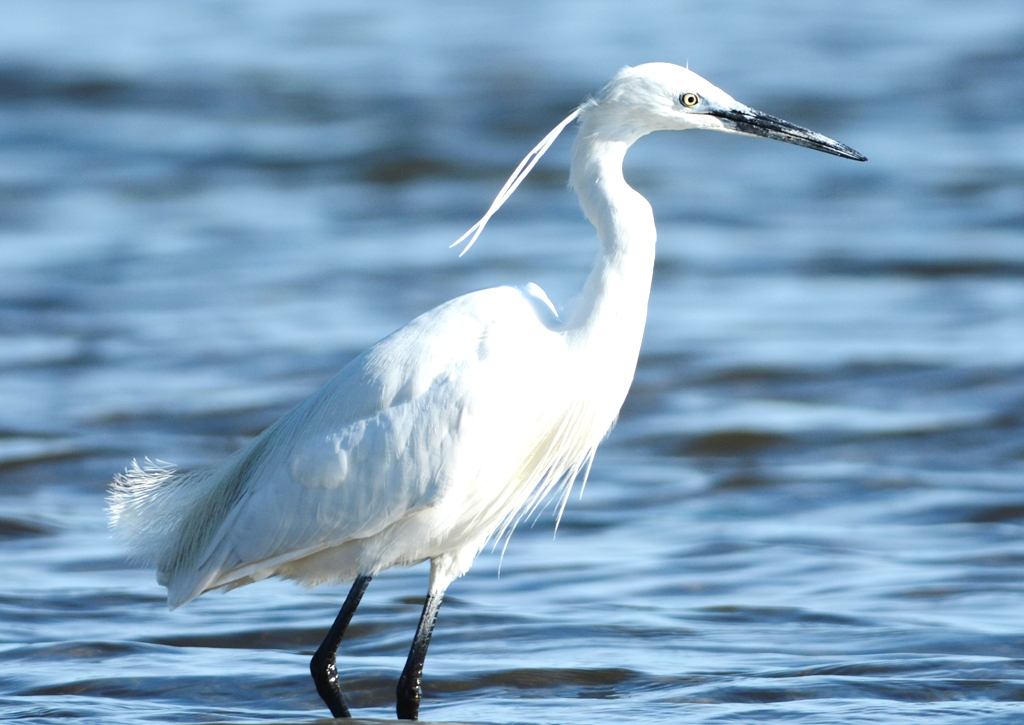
(667, 97)
(657, 97)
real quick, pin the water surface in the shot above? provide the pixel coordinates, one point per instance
(812, 508)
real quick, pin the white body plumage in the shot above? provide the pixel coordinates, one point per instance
(420, 448)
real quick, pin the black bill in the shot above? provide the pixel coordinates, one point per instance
(756, 123)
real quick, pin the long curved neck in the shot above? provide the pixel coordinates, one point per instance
(611, 312)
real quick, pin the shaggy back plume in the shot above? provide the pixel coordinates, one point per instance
(168, 518)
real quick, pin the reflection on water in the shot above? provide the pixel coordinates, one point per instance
(811, 510)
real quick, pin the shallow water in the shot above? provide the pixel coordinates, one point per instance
(811, 510)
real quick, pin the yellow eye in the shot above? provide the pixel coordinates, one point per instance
(689, 99)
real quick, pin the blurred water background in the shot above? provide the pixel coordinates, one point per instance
(812, 508)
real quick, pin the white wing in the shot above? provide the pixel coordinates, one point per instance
(401, 428)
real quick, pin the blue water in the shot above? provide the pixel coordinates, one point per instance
(813, 506)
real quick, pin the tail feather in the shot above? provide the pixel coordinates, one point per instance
(167, 520)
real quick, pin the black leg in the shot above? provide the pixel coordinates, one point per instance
(323, 667)
(409, 690)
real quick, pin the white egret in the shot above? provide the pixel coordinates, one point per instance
(442, 435)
